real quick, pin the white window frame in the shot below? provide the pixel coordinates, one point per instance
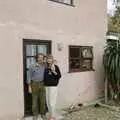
(67, 2)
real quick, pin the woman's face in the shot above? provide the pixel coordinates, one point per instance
(50, 60)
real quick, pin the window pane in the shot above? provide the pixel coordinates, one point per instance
(31, 50)
(87, 52)
(42, 49)
(74, 52)
(87, 64)
(30, 61)
(74, 63)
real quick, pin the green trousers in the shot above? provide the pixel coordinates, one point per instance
(38, 98)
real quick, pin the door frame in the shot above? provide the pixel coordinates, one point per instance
(32, 41)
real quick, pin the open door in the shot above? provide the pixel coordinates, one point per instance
(30, 49)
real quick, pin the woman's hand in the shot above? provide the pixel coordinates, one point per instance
(53, 69)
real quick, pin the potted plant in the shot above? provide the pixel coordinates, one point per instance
(111, 62)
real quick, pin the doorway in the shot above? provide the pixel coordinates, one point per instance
(30, 49)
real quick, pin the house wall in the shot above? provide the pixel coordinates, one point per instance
(84, 24)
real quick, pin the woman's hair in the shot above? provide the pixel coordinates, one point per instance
(50, 56)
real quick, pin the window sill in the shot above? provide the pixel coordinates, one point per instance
(62, 3)
(76, 71)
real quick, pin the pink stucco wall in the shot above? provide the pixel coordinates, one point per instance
(84, 24)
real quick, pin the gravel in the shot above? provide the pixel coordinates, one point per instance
(93, 113)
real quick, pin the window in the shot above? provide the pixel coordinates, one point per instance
(69, 2)
(80, 58)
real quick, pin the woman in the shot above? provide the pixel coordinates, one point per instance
(51, 79)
